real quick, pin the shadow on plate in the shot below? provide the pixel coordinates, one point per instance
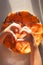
(5, 8)
(36, 8)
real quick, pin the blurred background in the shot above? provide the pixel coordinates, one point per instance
(6, 6)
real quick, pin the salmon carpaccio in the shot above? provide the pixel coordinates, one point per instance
(22, 18)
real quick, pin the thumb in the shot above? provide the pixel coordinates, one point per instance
(2, 36)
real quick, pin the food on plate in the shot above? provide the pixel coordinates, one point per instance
(27, 30)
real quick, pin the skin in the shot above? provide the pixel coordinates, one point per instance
(35, 58)
(2, 37)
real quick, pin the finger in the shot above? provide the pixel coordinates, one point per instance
(2, 36)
